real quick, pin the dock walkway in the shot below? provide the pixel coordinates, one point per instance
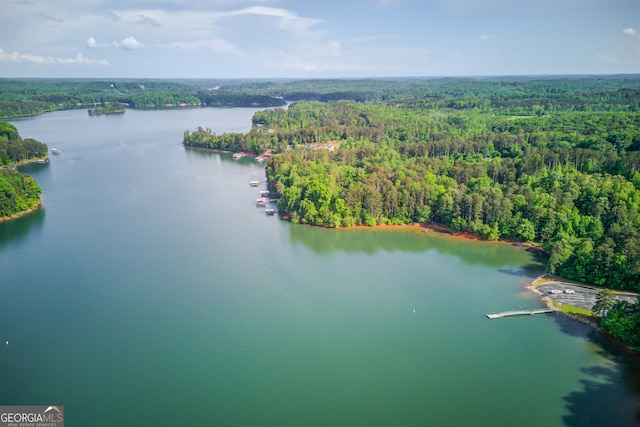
(518, 313)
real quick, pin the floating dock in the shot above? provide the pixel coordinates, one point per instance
(518, 313)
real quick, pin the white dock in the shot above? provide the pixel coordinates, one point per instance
(519, 313)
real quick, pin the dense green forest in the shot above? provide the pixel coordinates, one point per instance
(107, 108)
(553, 162)
(553, 91)
(14, 149)
(623, 322)
(21, 97)
(18, 192)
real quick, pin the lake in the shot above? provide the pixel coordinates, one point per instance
(150, 290)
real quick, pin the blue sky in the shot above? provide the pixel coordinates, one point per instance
(317, 39)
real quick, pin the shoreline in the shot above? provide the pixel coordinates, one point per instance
(32, 114)
(23, 213)
(38, 204)
(12, 166)
(559, 307)
(214, 150)
(443, 229)
(532, 286)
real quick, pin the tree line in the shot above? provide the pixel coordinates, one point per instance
(510, 95)
(567, 180)
(14, 149)
(21, 97)
(18, 192)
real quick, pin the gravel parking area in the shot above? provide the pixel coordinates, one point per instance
(584, 296)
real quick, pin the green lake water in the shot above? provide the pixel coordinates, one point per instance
(149, 290)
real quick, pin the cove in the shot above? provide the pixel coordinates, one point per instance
(150, 290)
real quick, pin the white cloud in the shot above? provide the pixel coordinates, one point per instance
(129, 43)
(288, 20)
(333, 37)
(322, 60)
(608, 58)
(216, 45)
(295, 63)
(39, 59)
(292, 62)
(370, 39)
(92, 43)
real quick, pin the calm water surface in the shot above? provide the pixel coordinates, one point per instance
(149, 290)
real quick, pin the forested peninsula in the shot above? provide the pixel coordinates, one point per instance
(19, 193)
(551, 161)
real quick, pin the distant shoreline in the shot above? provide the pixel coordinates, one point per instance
(31, 114)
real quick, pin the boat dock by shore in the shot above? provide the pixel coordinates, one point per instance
(518, 313)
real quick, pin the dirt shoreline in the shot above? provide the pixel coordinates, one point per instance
(26, 162)
(214, 150)
(23, 213)
(443, 229)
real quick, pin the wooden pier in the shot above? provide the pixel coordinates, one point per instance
(518, 313)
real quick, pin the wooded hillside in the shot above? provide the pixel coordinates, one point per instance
(555, 163)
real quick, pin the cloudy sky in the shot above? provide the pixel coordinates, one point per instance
(317, 38)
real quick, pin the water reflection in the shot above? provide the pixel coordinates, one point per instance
(224, 157)
(529, 271)
(615, 386)
(17, 229)
(30, 168)
(409, 239)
